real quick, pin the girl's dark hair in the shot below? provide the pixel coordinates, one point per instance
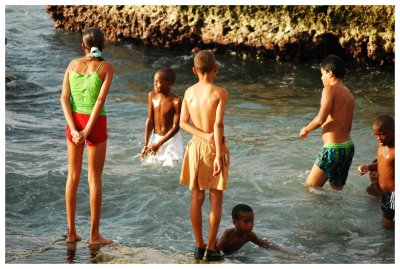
(335, 64)
(94, 37)
(240, 208)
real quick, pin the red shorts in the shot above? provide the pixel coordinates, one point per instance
(99, 131)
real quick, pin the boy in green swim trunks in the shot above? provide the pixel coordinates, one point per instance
(335, 118)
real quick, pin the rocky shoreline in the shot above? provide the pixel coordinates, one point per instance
(364, 35)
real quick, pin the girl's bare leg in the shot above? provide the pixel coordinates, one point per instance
(75, 153)
(96, 159)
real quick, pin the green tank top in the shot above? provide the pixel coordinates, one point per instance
(84, 91)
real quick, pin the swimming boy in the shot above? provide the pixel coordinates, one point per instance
(335, 118)
(164, 146)
(206, 159)
(233, 239)
(383, 128)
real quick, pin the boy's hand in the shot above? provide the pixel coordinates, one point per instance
(143, 153)
(363, 169)
(303, 133)
(217, 166)
(153, 148)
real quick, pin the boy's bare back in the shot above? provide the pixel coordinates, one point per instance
(202, 101)
(204, 104)
(336, 128)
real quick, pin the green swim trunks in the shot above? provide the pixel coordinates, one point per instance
(335, 161)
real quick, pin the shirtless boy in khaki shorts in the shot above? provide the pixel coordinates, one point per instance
(206, 159)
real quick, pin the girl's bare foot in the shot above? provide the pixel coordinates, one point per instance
(99, 240)
(73, 238)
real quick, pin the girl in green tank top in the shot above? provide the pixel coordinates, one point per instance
(84, 91)
(87, 81)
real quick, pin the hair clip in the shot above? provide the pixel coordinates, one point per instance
(95, 52)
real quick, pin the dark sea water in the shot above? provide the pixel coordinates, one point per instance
(145, 210)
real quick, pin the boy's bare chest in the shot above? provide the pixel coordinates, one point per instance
(385, 154)
(163, 105)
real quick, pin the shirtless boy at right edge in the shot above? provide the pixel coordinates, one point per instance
(206, 159)
(383, 128)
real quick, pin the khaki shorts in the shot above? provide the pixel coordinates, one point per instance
(198, 163)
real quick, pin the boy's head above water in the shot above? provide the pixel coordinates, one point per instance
(383, 128)
(243, 218)
(164, 78)
(334, 64)
(204, 61)
(167, 74)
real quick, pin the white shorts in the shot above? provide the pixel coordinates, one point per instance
(169, 154)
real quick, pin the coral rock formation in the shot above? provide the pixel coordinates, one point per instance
(364, 34)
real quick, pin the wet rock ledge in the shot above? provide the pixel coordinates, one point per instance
(363, 34)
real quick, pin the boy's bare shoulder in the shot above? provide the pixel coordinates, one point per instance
(190, 89)
(329, 90)
(152, 94)
(220, 90)
(189, 92)
(176, 100)
(336, 89)
(228, 233)
(387, 151)
(215, 91)
(219, 93)
(174, 96)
